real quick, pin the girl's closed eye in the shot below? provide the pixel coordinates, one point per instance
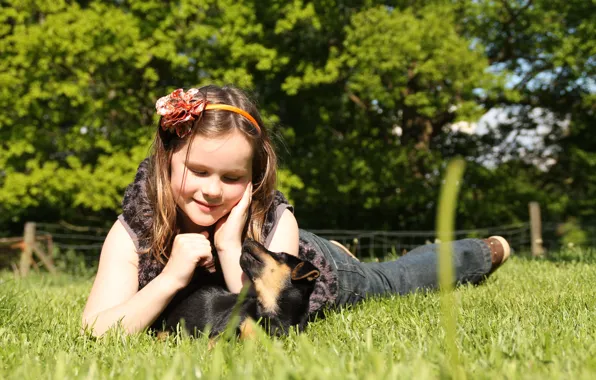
(227, 178)
(232, 179)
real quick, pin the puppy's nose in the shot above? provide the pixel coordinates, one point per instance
(254, 247)
(250, 244)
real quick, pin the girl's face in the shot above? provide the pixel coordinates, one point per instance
(217, 173)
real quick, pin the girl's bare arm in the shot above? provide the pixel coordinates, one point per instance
(115, 296)
(286, 235)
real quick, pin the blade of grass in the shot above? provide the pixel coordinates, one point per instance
(445, 222)
(234, 321)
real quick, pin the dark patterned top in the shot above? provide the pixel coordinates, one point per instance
(137, 216)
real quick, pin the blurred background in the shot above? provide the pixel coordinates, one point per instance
(368, 101)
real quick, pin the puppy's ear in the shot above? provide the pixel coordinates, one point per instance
(305, 270)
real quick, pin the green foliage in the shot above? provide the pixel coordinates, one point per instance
(575, 254)
(547, 49)
(72, 83)
(572, 234)
(76, 263)
(364, 94)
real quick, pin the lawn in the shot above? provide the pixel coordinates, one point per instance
(531, 319)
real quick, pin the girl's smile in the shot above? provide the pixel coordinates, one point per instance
(206, 207)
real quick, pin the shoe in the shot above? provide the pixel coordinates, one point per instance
(499, 251)
(347, 251)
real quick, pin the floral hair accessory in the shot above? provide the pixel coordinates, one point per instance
(180, 108)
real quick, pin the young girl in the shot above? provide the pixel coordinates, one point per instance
(208, 184)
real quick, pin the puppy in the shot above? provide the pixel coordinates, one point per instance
(277, 298)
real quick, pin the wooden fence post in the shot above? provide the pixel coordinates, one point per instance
(45, 259)
(536, 229)
(29, 242)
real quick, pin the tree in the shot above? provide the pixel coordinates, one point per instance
(78, 85)
(364, 93)
(370, 121)
(548, 49)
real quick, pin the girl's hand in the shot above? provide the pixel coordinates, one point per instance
(228, 230)
(188, 251)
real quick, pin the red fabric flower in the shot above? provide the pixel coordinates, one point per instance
(179, 109)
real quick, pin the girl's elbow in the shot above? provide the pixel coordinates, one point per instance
(87, 325)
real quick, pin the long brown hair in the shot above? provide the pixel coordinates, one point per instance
(212, 123)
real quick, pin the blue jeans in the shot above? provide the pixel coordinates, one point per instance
(417, 270)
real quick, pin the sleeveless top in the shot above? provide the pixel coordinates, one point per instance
(137, 216)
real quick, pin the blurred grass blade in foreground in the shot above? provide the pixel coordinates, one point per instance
(445, 222)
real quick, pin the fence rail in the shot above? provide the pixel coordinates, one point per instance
(50, 239)
(79, 238)
(379, 243)
(362, 243)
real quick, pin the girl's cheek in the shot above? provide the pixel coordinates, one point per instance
(175, 189)
(236, 192)
(179, 190)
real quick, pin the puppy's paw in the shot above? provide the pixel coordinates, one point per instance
(248, 329)
(163, 335)
(211, 344)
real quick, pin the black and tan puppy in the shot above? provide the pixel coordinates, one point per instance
(277, 298)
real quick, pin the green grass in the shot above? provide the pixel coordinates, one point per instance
(531, 319)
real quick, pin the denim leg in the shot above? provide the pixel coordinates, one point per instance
(352, 283)
(418, 269)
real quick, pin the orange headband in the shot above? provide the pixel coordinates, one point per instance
(179, 107)
(239, 111)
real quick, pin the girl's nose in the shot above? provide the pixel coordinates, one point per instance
(212, 189)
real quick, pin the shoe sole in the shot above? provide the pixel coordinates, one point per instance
(506, 247)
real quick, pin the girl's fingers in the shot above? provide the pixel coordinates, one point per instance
(242, 206)
(247, 196)
(210, 266)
